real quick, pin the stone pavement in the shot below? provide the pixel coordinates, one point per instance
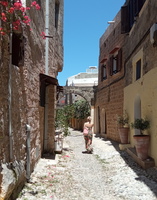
(107, 174)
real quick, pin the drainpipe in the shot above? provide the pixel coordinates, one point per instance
(10, 97)
(47, 40)
(46, 68)
(28, 147)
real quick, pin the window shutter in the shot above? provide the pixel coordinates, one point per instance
(111, 65)
(18, 49)
(119, 63)
(138, 6)
(124, 19)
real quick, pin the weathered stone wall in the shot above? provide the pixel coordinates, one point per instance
(25, 101)
(109, 95)
(139, 37)
(50, 118)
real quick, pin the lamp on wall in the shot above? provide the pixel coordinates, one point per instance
(111, 22)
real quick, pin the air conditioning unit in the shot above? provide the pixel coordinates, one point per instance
(152, 31)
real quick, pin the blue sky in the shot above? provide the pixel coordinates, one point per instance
(85, 21)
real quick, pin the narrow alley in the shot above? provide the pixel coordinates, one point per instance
(104, 175)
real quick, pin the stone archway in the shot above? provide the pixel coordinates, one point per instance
(86, 92)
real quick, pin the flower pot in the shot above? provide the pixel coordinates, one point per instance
(123, 134)
(142, 145)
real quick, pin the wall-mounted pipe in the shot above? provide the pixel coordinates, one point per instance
(10, 97)
(47, 39)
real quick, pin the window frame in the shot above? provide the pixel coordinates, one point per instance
(138, 69)
(115, 62)
(103, 71)
(137, 58)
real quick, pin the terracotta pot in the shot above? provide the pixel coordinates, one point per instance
(142, 145)
(123, 134)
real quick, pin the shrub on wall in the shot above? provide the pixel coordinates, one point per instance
(63, 116)
(79, 110)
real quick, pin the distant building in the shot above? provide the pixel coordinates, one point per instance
(88, 78)
(83, 79)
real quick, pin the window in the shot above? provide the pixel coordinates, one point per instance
(18, 43)
(103, 72)
(137, 64)
(138, 69)
(116, 62)
(56, 14)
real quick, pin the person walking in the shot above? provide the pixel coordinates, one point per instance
(88, 135)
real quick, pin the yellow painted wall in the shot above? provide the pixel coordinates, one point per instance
(146, 88)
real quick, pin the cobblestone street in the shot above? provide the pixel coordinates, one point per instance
(107, 174)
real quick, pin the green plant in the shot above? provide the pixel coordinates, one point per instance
(63, 116)
(14, 15)
(122, 119)
(81, 109)
(141, 124)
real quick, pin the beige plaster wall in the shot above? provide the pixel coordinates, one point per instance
(146, 89)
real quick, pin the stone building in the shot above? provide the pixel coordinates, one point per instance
(109, 95)
(132, 88)
(87, 79)
(28, 90)
(140, 95)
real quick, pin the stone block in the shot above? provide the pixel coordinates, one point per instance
(145, 164)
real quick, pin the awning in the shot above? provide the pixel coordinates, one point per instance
(48, 80)
(115, 49)
(103, 60)
(59, 88)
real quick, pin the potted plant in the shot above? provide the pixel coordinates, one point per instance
(123, 128)
(141, 140)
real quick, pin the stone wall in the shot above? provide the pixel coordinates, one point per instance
(109, 95)
(17, 160)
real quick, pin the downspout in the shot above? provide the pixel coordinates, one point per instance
(10, 97)
(47, 39)
(46, 69)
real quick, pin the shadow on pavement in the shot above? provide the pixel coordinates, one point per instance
(143, 175)
(148, 176)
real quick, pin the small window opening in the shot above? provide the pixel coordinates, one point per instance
(138, 69)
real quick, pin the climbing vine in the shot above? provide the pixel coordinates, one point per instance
(14, 16)
(63, 116)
